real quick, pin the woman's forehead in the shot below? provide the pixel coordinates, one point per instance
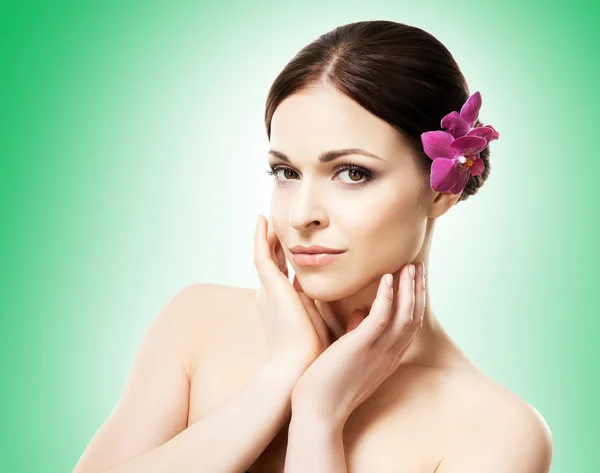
(315, 121)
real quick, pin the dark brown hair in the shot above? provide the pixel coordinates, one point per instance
(400, 73)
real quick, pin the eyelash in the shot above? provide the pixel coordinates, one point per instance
(368, 175)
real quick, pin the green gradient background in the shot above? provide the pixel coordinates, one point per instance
(131, 150)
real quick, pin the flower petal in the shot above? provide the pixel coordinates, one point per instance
(468, 145)
(486, 131)
(447, 174)
(482, 131)
(477, 167)
(461, 182)
(470, 110)
(455, 125)
(495, 134)
(436, 144)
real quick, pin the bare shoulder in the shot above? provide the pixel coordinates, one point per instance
(222, 338)
(199, 298)
(219, 306)
(160, 394)
(492, 429)
(201, 302)
(211, 316)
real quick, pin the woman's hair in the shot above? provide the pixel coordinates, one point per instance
(400, 73)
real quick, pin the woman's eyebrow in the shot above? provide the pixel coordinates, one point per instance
(328, 156)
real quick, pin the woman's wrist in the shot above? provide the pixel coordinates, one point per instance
(306, 417)
(285, 371)
(324, 427)
(315, 443)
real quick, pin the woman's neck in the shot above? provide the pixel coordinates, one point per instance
(428, 343)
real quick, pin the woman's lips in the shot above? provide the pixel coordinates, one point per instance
(317, 259)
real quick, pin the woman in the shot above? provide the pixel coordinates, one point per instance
(334, 371)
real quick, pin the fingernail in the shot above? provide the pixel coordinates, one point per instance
(411, 269)
(389, 280)
(257, 219)
(420, 269)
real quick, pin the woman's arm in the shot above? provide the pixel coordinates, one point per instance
(314, 444)
(147, 432)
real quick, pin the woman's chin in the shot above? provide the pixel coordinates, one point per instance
(325, 288)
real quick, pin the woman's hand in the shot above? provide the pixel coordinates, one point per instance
(296, 334)
(352, 368)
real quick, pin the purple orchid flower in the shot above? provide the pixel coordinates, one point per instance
(454, 160)
(461, 124)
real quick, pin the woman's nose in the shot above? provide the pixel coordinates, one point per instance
(307, 209)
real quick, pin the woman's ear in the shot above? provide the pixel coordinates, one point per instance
(440, 203)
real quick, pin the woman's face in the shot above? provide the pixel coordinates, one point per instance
(377, 214)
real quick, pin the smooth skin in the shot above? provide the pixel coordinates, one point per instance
(147, 431)
(293, 337)
(338, 377)
(223, 374)
(356, 364)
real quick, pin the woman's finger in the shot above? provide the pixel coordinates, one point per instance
(296, 284)
(316, 318)
(380, 315)
(313, 311)
(334, 325)
(271, 239)
(419, 309)
(281, 260)
(420, 295)
(265, 265)
(276, 249)
(403, 310)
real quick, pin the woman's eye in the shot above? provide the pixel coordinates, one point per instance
(355, 175)
(288, 173)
